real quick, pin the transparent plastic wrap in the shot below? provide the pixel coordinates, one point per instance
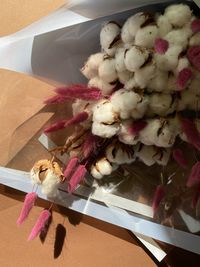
(56, 56)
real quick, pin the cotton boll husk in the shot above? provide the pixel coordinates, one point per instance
(119, 59)
(124, 76)
(124, 135)
(131, 26)
(168, 61)
(105, 131)
(145, 74)
(50, 184)
(183, 62)
(118, 155)
(95, 172)
(124, 102)
(131, 84)
(104, 166)
(195, 39)
(177, 37)
(146, 36)
(178, 15)
(135, 57)
(141, 108)
(108, 34)
(107, 71)
(103, 112)
(159, 82)
(146, 154)
(162, 156)
(161, 104)
(164, 26)
(106, 88)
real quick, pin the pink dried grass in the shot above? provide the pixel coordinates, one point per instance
(196, 197)
(137, 127)
(70, 167)
(195, 25)
(158, 196)
(194, 177)
(180, 158)
(184, 76)
(193, 54)
(40, 224)
(76, 178)
(90, 145)
(161, 46)
(27, 206)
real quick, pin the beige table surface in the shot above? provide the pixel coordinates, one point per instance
(89, 242)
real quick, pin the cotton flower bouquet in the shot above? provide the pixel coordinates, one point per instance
(137, 118)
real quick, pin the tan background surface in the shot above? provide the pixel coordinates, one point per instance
(89, 242)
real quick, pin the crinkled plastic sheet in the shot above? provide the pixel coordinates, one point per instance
(57, 56)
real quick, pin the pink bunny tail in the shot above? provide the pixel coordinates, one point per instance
(27, 206)
(80, 91)
(76, 178)
(195, 25)
(89, 145)
(191, 131)
(194, 177)
(180, 158)
(158, 196)
(55, 126)
(80, 117)
(193, 54)
(161, 45)
(137, 127)
(70, 167)
(184, 76)
(40, 224)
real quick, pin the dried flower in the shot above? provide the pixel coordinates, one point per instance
(184, 76)
(80, 91)
(78, 118)
(193, 54)
(194, 177)
(195, 25)
(191, 131)
(137, 127)
(161, 45)
(40, 224)
(180, 158)
(55, 126)
(70, 167)
(158, 196)
(27, 206)
(76, 178)
(90, 144)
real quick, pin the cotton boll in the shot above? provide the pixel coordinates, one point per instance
(131, 84)
(135, 57)
(103, 112)
(187, 100)
(124, 134)
(88, 72)
(168, 61)
(107, 71)
(162, 104)
(146, 36)
(82, 105)
(194, 86)
(112, 51)
(142, 106)
(49, 186)
(90, 69)
(124, 76)
(159, 82)
(103, 130)
(109, 35)
(146, 154)
(177, 37)
(170, 85)
(178, 15)
(131, 26)
(124, 102)
(145, 74)
(118, 155)
(162, 156)
(148, 135)
(195, 39)
(164, 26)
(105, 87)
(119, 59)
(104, 166)
(95, 172)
